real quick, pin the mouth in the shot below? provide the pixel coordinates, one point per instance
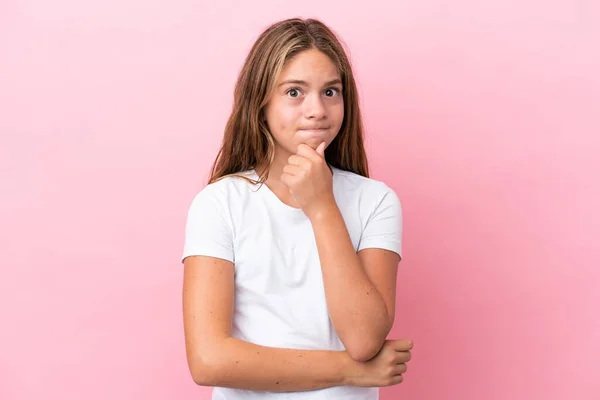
(314, 130)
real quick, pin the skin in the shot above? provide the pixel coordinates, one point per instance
(295, 115)
(304, 115)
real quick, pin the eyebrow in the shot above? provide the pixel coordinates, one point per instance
(304, 83)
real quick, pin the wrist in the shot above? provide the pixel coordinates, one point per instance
(322, 210)
(349, 370)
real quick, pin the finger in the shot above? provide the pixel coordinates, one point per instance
(403, 344)
(298, 160)
(306, 151)
(287, 179)
(395, 380)
(400, 369)
(321, 150)
(292, 170)
(403, 356)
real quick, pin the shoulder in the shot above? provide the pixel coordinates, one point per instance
(222, 190)
(219, 201)
(349, 182)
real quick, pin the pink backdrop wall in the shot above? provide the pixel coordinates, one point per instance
(484, 116)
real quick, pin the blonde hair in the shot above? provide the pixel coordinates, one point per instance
(247, 142)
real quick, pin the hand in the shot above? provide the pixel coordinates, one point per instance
(386, 368)
(309, 179)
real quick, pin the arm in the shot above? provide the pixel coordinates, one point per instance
(364, 319)
(360, 288)
(217, 359)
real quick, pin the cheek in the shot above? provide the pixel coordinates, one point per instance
(340, 109)
(289, 117)
(337, 114)
(281, 117)
(282, 123)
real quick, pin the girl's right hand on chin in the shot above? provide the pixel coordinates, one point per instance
(386, 368)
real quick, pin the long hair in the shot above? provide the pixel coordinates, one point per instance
(247, 142)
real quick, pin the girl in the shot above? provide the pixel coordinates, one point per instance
(291, 250)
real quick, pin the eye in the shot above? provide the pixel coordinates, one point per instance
(332, 92)
(293, 92)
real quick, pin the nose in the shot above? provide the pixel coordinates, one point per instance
(314, 107)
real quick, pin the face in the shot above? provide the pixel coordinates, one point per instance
(307, 105)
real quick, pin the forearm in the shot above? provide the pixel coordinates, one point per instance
(357, 310)
(242, 365)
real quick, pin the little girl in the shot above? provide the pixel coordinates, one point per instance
(291, 250)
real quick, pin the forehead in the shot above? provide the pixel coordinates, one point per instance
(310, 65)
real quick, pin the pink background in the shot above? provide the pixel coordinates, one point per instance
(484, 116)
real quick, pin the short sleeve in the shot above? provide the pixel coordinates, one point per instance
(206, 231)
(383, 230)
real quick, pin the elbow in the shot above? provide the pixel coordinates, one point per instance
(203, 371)
(208, 363)
(365, 350)
(361, 356)
(362, 350)
(201, 378)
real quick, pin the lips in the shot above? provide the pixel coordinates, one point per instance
(316, 129)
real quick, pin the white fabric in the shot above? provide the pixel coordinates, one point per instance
(279, 293)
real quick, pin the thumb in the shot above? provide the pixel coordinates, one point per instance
(321, 149)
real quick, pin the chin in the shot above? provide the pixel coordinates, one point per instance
(315, 142)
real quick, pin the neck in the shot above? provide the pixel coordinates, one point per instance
(276, 169)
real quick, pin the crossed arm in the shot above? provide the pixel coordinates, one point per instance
(360, 291)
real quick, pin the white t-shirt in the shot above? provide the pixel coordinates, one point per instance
(279, 292)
